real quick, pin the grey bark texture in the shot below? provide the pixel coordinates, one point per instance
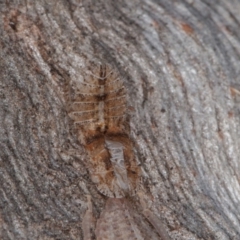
(180, 61)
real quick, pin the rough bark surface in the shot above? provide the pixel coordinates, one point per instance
(180, 61)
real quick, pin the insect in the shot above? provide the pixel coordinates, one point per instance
(98, 108)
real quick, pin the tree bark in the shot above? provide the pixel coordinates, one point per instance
(179, 60)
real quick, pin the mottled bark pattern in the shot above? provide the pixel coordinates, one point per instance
(179, 61)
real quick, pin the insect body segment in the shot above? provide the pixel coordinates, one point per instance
(98, 100)
(117, 160)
